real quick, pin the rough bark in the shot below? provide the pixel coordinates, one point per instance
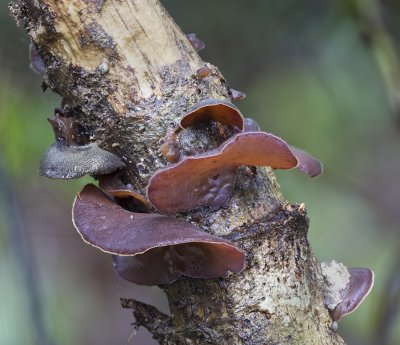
(128, 73)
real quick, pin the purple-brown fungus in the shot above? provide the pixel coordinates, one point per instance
(251, 125)
(213, 109)
(68, 130)
(151, 248)
(208, 179)
(306, 163)
(237, 95)
(359, 286)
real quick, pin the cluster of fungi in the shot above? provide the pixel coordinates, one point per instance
(148, 245)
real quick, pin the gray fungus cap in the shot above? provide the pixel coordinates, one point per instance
(61, 161)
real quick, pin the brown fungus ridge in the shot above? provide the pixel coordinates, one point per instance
(213, 110)
(208, 179)
(112, 184)
(306, 163)
(157, 248)
(358, 288)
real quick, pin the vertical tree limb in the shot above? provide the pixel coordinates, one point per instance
(128, 73)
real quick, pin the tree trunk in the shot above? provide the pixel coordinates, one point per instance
(129, 73)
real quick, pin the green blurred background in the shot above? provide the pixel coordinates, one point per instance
(324, 75)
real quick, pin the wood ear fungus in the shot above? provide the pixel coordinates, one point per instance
(213, 109)
(345, 288)
(208, 179)
(306, 163)
(151, 248)
(357, 289)
(62, 161)
(71, 156)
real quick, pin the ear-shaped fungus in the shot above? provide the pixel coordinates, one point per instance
(62, 161)
(208, 179)
(213, 109)
(151, 248)
(306, 163)
(358, 288)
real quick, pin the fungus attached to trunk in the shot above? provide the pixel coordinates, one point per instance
(62, 161)
(71, 156)
(36, 62)
(359, 286)
(151, 248)
(213, 109)
(237, 95)
(208, 179)
(68, 130)
(112, 185)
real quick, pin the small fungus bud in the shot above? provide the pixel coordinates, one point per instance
(170, 146)
(68, 130)
(195, 42)
(237, 95)
(213, 109)
(36, 62)
(203, 72)
(251, 125)
(150, 248)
